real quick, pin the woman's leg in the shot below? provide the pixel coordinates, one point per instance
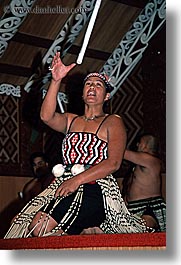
(42, 224)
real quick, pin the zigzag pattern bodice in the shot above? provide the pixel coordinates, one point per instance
(83, 148)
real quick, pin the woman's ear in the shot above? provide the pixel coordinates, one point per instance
(107, 96)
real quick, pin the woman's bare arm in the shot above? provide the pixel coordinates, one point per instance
(48, 112)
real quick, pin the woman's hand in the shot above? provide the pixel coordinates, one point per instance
(67, 187)
(58, 69)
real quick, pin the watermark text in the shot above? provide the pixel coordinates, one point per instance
(45, 10)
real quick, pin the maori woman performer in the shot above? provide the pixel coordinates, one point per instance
(84, 193)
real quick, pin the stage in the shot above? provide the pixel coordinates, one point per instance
(150, 241)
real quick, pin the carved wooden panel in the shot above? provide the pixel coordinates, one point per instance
(128, 103)
(9, 130)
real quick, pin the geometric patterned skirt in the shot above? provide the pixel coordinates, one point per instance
(117, 217)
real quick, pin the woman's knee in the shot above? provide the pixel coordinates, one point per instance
(42, 224)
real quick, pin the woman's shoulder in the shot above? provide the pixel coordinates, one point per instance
(70, 119)
(115, 122)
(71, 116)
(114, 118)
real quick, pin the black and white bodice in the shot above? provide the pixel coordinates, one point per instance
(83, 148)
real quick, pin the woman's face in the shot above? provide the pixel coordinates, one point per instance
(95, 91)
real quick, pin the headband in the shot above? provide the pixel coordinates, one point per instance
(104, 78)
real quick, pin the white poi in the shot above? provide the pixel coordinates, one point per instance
(88, 32)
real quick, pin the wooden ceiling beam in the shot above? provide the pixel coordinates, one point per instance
(90, 53)
(32, 40)
(26, 71)
(15, 70)
(46, 43)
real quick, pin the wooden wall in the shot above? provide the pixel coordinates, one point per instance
(10, 204)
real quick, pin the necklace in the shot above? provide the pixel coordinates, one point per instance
(93, 117)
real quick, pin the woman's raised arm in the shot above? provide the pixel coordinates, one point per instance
(48, 112)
